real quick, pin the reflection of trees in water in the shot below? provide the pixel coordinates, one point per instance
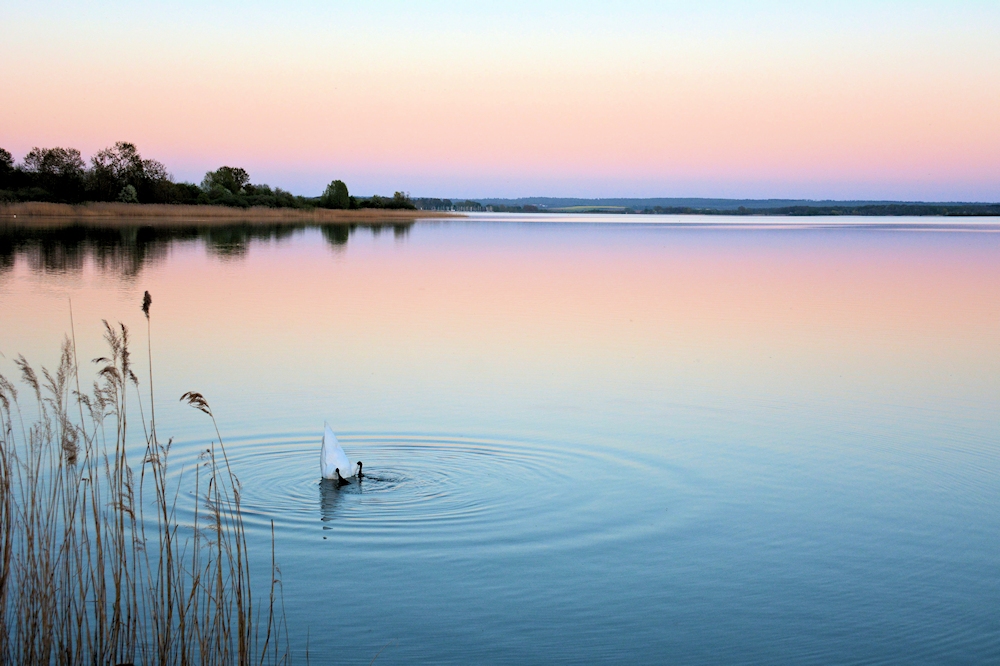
(123, 250)
(337, 234)
(126, 250)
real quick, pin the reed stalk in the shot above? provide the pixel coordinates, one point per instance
(95, 565)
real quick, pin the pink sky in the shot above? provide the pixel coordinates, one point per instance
(881, 100)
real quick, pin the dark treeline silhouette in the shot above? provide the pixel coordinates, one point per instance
(126, 250)
(502, 208)
(426, 203)
(120, 173)
(398, 201)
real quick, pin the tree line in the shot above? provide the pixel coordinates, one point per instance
(429, 203)
(120, 173)
(866, 210)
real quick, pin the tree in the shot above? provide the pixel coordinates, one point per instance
(232, 179)
(121, 165)
(59, 171)
(6, 167)
(401, 200)
(336, 196)
(128, 195)
(65, 162)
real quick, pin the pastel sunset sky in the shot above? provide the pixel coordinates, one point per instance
(849, 99)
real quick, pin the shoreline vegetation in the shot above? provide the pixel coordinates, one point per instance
(36, 213)
(120, 174)
(102, 559)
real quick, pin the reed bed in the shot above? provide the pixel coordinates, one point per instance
(95, 565)
(172, 213)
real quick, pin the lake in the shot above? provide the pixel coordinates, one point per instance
(591, 439)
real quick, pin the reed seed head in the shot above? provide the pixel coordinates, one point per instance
(147, 300)
(197, 400)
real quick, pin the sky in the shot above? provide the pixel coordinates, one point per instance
(715, 98)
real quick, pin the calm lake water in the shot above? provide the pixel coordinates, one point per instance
(690, 440)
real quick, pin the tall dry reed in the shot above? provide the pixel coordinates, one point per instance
(95, 565)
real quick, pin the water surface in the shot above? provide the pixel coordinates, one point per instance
(590, 439)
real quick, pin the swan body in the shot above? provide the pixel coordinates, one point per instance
(332, 457)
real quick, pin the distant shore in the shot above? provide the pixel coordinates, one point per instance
(716, 207)
(168, 214)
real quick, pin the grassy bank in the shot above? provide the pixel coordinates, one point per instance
(169, 214)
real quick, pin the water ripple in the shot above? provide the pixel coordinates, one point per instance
(428, 492)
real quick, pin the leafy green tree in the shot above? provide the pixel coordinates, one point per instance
(374, 201)
(128, 195)
(232, 179)
(183, 193)
(401, 200)
(336, 196)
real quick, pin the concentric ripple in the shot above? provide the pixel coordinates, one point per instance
(428, 492)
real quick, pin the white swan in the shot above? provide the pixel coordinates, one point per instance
(332, 458)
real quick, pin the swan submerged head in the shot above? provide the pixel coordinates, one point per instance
(332, 456)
